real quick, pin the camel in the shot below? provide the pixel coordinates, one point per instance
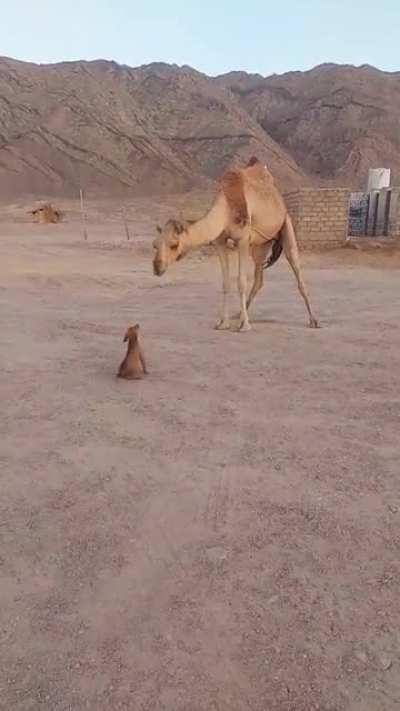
(133, 367)
(249, 211)
(46, 214)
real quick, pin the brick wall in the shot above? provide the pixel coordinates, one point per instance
(292, 201)
(320, 217)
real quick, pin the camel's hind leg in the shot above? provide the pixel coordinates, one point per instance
(244, 250)
(257, 283)
(292, 255)
(223, 254)
(258, 253)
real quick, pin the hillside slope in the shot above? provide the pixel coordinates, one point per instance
(110, 128)
(336, 121)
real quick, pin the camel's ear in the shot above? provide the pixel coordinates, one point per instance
(179, 227)
(253, 161)
(159, 229)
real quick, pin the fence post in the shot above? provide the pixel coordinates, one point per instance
(83, 215)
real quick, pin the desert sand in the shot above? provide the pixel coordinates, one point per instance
(222, 535)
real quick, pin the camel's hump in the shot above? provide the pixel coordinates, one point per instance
(253, 161)
(233, 189)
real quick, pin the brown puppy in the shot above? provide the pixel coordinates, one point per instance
(133, 367)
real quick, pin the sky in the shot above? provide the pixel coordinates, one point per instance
(213, 36)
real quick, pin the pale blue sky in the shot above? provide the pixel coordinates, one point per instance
(214, 37)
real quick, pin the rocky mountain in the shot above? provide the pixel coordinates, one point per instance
(336, 121)
(111, 128)
(160, 128)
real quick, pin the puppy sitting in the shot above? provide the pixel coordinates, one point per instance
(133, 367)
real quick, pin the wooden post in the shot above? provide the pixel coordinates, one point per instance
(83, 215)
(128, 236)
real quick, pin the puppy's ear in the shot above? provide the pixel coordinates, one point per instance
(136, 327)
(126, 337)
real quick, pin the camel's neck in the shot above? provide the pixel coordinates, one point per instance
(208, 228)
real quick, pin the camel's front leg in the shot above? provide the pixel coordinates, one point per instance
(223, 253)
(244, 250)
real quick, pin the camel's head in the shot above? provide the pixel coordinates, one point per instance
(169, 245)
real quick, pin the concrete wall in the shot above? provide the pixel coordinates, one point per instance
(394, 214)
(375, 214)
(320, 217)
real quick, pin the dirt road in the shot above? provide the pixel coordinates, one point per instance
(222, 536)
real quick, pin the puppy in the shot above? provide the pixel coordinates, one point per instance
(133, 367)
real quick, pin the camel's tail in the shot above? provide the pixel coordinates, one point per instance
(276, 252)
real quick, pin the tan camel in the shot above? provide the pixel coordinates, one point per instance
(133, 367)
(250, 211)
(46, 214)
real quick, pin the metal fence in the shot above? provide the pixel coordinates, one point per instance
(371, 214)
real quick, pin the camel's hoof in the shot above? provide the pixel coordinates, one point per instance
(223, 325)
(241, 327)
(314, 323)
(244, 327)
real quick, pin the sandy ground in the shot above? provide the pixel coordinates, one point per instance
(222, 536)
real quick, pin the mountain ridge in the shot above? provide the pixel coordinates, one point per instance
(111, 128)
